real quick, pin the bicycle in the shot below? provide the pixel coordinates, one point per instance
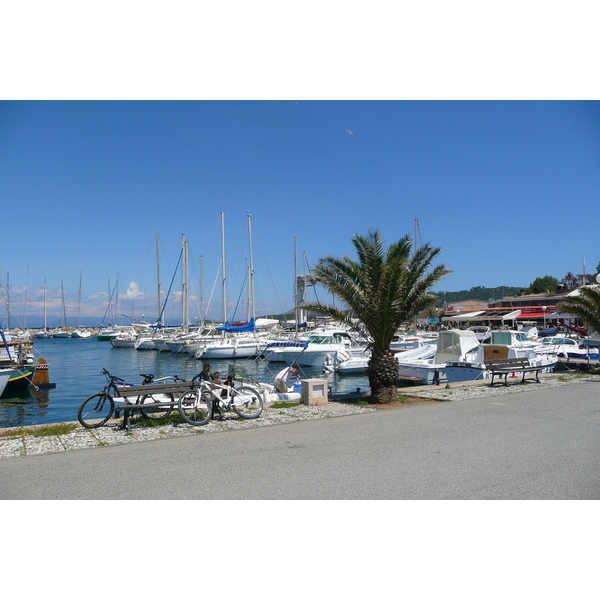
(98, 408)
(198, 406)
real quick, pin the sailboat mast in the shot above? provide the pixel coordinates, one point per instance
(251, 273)
(201, 284)
(25, 307)
(224, 261)
(185, 321)
(79, 300)
(45, 325)
(64, 310)
(116, 307)
(158, 281)
(296, 282)
(7, 300)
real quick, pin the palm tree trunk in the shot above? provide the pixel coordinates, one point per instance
(383, 376)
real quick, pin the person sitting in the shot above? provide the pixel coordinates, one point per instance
(282, 377)
(205, 374)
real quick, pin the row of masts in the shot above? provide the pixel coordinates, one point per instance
(300, 283)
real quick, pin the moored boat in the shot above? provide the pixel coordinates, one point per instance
(5, 374)
(452, 346)
(106, 334)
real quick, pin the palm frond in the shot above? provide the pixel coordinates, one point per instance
(383, 289)
(586, 306)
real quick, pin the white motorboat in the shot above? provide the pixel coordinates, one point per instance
(566, 348)
(473, 366)
(482, 332)
(318, 349)
(350, 361)
(81, 333)
(452, 345)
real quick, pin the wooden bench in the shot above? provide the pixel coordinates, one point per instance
(134, 395)
(503, 367)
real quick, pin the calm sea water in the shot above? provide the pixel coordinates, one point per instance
(75, 366)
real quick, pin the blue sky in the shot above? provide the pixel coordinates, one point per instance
(509, 190)
(482, 127)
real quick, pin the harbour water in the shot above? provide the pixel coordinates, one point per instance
(75, 366)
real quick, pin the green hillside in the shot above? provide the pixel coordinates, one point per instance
(476, 293)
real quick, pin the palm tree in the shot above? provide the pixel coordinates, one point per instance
(585, 305)
(383, 289)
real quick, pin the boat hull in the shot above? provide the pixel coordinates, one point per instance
(20, 378)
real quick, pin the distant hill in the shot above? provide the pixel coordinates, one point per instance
(476, 293)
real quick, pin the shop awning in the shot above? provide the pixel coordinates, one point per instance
(484, 315)
(463, 316)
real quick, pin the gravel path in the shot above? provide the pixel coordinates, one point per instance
(23, 444)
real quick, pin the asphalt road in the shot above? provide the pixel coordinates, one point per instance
(531, 445)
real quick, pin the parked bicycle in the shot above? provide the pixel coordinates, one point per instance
(200, 404)
(98, 408)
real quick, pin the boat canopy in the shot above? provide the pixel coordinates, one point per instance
(249, 326)
(454, 344)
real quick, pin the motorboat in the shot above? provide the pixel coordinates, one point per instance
(482, 332)
(473, 365)
(318, 349)
(452, 346)
(349, 361)
(566, 348)
(81, 333)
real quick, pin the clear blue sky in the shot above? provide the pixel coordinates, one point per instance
(114, 128)
(509, 190)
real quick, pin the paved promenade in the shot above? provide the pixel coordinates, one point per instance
(539, 443)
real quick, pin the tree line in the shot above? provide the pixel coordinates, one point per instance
(540, 285)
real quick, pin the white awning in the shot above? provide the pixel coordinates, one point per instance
(485, 315)
(463, 316)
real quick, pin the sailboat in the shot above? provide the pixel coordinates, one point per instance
(62, 332)
(238, 340)
(105, 334)
(153, 341)
(79, 332)
(44, 333)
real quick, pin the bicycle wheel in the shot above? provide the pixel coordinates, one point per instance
(156, 412)
(96, 410)
(247, 402)
(195, 408)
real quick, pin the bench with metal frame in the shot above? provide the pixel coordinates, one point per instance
(503, 367)
(145, 399)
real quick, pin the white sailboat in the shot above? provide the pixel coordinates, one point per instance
(151, 341)
(79, 332)
(44, 333)
(241, 341)
(62, 332)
